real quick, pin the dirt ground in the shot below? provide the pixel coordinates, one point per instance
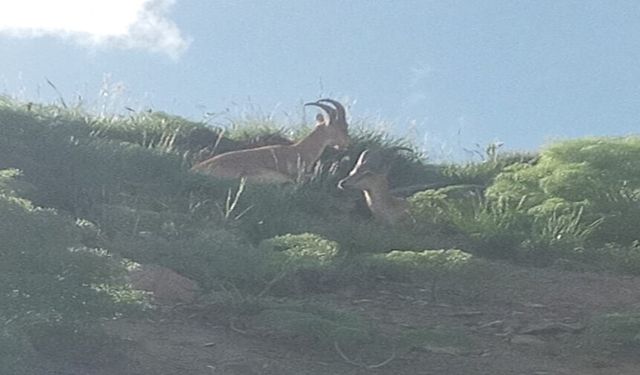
(520, 321)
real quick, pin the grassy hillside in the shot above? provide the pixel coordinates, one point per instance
(81, 197)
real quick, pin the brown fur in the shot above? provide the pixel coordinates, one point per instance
(370, 177)
(282, 163)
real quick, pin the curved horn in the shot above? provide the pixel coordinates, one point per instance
(341, 112)
(330, 111)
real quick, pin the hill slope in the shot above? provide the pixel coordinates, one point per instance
(298, 278)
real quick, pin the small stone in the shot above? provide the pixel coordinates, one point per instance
(166, 286)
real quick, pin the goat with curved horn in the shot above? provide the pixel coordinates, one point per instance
(328, 109)
(283, 163)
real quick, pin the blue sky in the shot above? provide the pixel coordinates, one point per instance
(448, 74)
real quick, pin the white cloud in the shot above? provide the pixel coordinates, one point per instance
(115, 23)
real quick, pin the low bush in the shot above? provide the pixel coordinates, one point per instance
(48, 276)
(215, 258)
(433, 265)
(494, 228)
(596, 175)
(47, 273)
(569, 199)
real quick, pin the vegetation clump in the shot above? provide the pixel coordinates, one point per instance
(48, 276)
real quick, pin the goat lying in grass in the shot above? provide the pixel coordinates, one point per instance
(283, 163)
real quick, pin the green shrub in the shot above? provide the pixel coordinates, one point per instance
(274, 210)
(303, 250)
(483, 173)
(305, 261)
(599, 175)
(73, 171)
(496, 228)
(77, 161)
(269, 211)
(427, 261)
(154, 130)
(46, 273)
(48, 277)
(251, 127)
(578, 194)
(434, 265)
(216, 258)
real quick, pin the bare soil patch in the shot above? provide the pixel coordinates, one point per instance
(519, 321)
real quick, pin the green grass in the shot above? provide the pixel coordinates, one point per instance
(81, 195)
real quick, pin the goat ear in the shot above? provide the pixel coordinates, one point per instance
(320, 120)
